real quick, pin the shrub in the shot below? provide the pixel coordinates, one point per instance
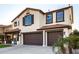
(3, 46)
(72, 41)
(1, 37)
(60, 43)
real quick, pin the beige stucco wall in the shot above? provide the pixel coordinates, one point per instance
(1, 30)
(40, 20)
(66, 32)
(67, 20)
(7, 28)
(4, 29)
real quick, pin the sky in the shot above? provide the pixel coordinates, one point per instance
(9, 11)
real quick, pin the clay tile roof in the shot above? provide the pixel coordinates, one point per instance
(55, 26)
(13, 30)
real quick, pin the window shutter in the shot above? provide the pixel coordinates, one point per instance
(18, 23)
(23, 21)
(32, 19)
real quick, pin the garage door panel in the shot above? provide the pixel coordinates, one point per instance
(33, 39)
(53, 36)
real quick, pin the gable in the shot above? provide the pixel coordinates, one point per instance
(27, 9)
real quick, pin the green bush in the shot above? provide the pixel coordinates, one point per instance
(60, 43)
(72, 41)
(1, 37)
(3, 46)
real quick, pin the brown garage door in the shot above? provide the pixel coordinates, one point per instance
(53, 36)
(35, 38)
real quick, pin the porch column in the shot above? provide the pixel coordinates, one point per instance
(12, 38)
(44, 38)
(21, 39)
(4, 38)
(18, 36)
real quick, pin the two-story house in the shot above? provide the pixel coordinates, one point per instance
(35, 27)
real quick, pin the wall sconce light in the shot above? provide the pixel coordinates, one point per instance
(14, 36)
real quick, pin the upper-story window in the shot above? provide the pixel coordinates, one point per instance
(59, 16)
(16, 23)
(28, 20)
(49, 18)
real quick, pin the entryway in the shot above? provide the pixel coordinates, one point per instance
(12, 36)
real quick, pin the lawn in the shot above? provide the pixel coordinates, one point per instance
(4, 46)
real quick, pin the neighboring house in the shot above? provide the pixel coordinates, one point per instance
(34, 27)
(3, 28)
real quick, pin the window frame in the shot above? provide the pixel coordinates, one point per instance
(51, 19)
(32, 22)
(63, 15)
(15, 24)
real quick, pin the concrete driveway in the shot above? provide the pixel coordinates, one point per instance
(26, 49)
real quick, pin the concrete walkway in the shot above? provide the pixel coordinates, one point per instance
(26, 49)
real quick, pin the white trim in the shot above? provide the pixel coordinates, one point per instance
(4, 42)
(18, 42)
(21, 39)
(44, 38)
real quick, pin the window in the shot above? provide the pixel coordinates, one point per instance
(60, 16)
(15, 24)
(49, 18)
(28, 20)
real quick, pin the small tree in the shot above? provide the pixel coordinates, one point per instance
(72, 41)
(74, 38)
(75, 32)
(60, 43)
